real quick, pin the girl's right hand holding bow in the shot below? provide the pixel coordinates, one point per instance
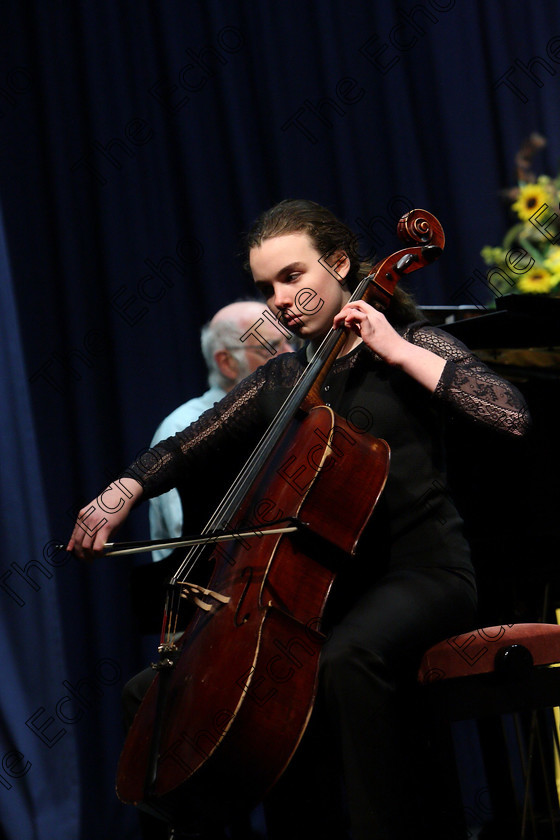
(102, 517)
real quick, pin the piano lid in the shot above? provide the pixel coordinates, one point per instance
(518, 321)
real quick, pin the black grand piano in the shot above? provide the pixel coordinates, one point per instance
(508, 494)
(508, 490)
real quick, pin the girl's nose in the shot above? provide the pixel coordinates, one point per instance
(282, 298)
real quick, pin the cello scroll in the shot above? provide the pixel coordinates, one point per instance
(423, 232)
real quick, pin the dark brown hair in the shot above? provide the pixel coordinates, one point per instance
(328, 234)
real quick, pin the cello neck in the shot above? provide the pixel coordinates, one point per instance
(425, 239)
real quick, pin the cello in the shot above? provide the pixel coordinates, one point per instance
(232, 696)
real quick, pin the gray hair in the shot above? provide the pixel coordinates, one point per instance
(224, 335)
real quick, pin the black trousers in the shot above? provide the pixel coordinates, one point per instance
(362, 769)
(357, 771)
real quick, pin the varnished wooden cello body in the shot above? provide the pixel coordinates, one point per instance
(233, 696)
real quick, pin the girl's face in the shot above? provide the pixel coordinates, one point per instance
(302, 289)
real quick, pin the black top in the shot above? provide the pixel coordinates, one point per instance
(416, 522)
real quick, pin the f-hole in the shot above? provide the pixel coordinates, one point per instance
(241, 618)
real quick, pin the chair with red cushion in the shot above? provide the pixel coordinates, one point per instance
(496, 671)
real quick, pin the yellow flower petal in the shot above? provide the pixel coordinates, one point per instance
(531, 198)
(538, 280)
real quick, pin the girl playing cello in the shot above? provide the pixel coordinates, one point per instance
(411, 583)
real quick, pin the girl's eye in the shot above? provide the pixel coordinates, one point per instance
(294, 276)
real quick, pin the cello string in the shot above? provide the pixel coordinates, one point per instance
(239, 486)
(248, 473)
(256, 460)
(238, 489)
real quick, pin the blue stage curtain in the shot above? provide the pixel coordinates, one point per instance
(40, 795)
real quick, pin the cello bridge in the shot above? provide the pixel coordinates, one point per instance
(193, 592)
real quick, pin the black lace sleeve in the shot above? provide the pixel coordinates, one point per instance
(223, 437)
(470, 387)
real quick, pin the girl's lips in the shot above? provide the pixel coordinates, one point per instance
(290, 319)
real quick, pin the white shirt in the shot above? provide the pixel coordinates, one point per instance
(166, 513)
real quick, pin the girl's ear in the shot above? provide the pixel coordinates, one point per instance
(337, 263)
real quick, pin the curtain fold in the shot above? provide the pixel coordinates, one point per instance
(39, 774)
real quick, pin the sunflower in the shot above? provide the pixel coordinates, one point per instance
(537, 280)
(531, 197)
